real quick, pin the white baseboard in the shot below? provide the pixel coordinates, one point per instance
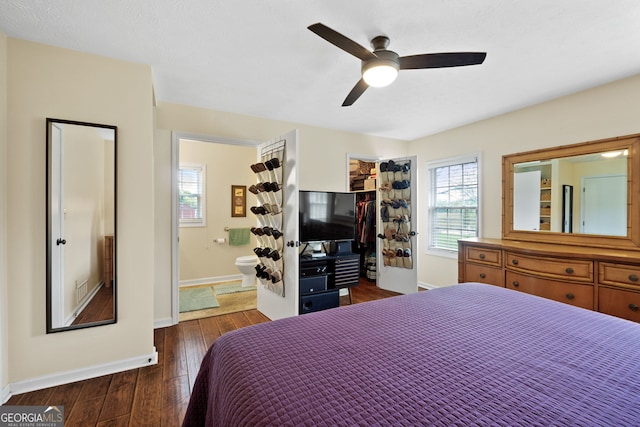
(427, 285)
(83, 373)
(162, 323)
(205, 280)
(5, 394)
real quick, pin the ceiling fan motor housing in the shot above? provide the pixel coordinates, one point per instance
(386, 59)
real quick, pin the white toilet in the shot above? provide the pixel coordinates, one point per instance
(247, 266)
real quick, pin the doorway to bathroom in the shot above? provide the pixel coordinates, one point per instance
(275, 298)
(209, 169)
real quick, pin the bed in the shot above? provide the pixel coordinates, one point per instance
(468, 354)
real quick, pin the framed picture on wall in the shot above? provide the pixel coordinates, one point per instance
(238, 200)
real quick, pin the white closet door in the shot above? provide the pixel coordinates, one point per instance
(526, 200)
(604, 205)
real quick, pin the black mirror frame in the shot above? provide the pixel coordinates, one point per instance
(49, 326)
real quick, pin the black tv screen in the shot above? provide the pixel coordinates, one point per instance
(327, 216)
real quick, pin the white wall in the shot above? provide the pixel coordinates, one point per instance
(46, 82)
(323, 165)
(605, 111)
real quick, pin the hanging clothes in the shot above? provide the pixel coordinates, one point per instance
(366, 210)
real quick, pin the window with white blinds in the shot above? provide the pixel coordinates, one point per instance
(453, 202)
(191, 195)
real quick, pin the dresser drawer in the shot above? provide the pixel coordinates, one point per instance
(619, 303)
(619, 274)
(578, 294)
(484, 274)
(574, 270)
(484, 256)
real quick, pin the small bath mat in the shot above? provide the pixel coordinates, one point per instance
(192, 299)
(231, 288)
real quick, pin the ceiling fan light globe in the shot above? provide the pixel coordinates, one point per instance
(380, 74)
(612, 154)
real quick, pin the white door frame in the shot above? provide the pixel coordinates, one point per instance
(57, 228)
(175, 225)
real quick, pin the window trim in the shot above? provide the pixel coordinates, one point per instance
(429, 166)
(196, 222)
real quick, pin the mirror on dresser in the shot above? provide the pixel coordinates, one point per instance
(81, 224)
(580, 194)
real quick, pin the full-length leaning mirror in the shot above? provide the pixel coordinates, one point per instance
(582, 194)
(81, 224)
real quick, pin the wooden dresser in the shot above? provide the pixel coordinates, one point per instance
(108, 260)
(606, 280)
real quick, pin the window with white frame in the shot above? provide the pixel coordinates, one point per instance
(453, 202)
(191, 195)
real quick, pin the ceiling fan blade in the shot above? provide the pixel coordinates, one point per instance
(342, 42)
(441, 60)
(355, 93)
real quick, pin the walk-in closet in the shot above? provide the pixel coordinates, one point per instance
(362, 181)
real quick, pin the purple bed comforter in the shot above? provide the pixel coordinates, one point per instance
(469, 354)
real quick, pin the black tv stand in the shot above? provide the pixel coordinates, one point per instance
(321, 279)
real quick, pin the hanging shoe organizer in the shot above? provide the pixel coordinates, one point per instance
(395, 212)
(269, 192)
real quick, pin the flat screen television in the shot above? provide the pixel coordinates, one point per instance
(327, 216)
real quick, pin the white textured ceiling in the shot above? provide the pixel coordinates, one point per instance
(257, 57)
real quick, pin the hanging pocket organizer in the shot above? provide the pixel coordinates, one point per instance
(269, 234)
(395, 213)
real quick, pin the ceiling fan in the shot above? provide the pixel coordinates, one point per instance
(380, 67)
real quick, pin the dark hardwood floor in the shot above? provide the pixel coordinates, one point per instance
(99, 308)
(157, 395)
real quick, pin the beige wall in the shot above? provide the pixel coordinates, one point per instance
(226, 165)
(605, 111)
(45, 82)
(42, 82)
(322, 165)
(4, 354)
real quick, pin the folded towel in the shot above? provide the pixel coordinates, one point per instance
(239, 236)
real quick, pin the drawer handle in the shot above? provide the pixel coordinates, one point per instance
(569, 270)
(570, 296)
(515, 284)
(633, 307)
(482, 275)
(633, 277)
(514, 261)
(481, 256)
